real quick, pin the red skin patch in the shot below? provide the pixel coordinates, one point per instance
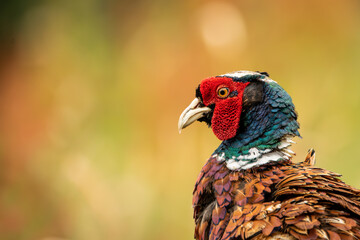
(226, 117)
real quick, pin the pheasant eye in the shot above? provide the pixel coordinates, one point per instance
(223, 92)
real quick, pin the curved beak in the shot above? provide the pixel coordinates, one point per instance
(192, 113)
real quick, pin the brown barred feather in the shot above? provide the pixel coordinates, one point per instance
(310, 158)
(274, 201)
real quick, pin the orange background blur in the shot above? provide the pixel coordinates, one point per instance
(91, 91)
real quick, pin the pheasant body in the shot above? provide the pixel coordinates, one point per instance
(294, 201)
(249, 188)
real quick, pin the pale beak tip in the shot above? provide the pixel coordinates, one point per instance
(180, 126)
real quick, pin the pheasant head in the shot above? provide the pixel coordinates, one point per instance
(253, 116)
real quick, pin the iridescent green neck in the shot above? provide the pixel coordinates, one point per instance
(265, 131)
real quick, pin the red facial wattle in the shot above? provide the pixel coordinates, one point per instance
(226, 116)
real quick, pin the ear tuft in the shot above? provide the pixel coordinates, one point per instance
(263, 73)
(253, 94)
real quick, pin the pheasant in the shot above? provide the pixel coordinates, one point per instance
(249, 188)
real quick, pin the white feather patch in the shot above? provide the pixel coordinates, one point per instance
(266, 158)
(240, 74)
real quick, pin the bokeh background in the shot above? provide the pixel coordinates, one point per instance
(91, 91)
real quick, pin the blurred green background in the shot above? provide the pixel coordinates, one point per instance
(91, 91)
